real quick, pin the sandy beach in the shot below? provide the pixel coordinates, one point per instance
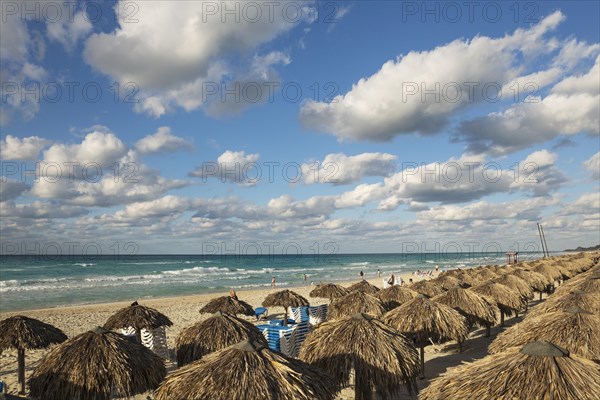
(183, 311)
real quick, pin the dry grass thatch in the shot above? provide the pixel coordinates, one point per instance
(536, 280)
(520, 375)
(574, 329)
(284, 298)
(584, 300)
(355, 302)
(24, 333)
(329, 291)
(549, 271)
(363, 286)
(139, 317)
(396, 295)
(247, 371)
(96, 365)
(506, 299)
(427, 319)
(448, 281)
(517, 284)
(227, 305)
(477, 309)
(213, 334)
(428, 288)
(484, 273)
(383, 359)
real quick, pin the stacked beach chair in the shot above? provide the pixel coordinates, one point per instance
(155, 340)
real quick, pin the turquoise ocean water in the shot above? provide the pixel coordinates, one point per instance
(28, 282)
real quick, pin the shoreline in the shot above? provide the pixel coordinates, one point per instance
(197, 298)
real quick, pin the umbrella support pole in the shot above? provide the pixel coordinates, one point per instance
(540, 296)
(138, 334)
(501, 318)
(488, 330)
(21, 366)
(422, 351)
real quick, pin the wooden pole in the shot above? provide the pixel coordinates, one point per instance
(21, 367)
(501, 318)
(422, 361)
(488, 330)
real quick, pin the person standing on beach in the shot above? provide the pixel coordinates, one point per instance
(378, 273)
(304, 278)
(273, 281)
(362, 275)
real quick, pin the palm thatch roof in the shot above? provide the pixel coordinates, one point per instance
(139, 317)
(227, 305)
(477, 309)
(284, 298)
(24, 333)
(96, 365)
(506, 299)
(574, 329)
(484, 273)
(517, 284)
(540, 370)
(549, 271)
(355, 302)
(584, 300)
(247, 370)
(426, 320)
(428, 288)
(536, 280)
(215, 333)
(448, 281)
(396, 295)
(383, 359)
(364, 286)
(566, 273)
(329, 291)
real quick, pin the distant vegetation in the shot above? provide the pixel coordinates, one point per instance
(597, 247)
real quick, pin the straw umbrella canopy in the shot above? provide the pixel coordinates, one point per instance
(138, 317)
(215, 333)
(24, 333)
(574, 329)
(396, 295)
(584, 300)
(247, 370)
(383, 360)
(428, 288)
(227, 305)
(549, 271)
(536, 280)
(329, 291)
(477, 309)
(355, 302)
(517, 284)
(507, 299)
(365, 287)
(96, 365)
(484, 273)
(427, 320)
(539, 370)
(448, 281)
(285, 298)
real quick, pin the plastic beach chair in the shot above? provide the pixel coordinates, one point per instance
(261, 312)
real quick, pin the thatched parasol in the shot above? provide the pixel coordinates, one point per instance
(396, 295)
(355, 302)
(215, 333)
(507, 299)
(96, 365)
(476, 308)
(24, 333)
(549, 271)
(536, 280)
(576, 298)
(365, 287)
(517, 284)
(484, 273)
(383, 360)
(448, 281)
(227, 305)
(574, 329)
(427, 320)
(428, 288)
(540, 370)
(138, 317)
(329, 291)
(247, 370)
(285, 298)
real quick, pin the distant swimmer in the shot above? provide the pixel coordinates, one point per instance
(273, 281)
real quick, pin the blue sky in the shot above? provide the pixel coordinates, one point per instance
(398, 102)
